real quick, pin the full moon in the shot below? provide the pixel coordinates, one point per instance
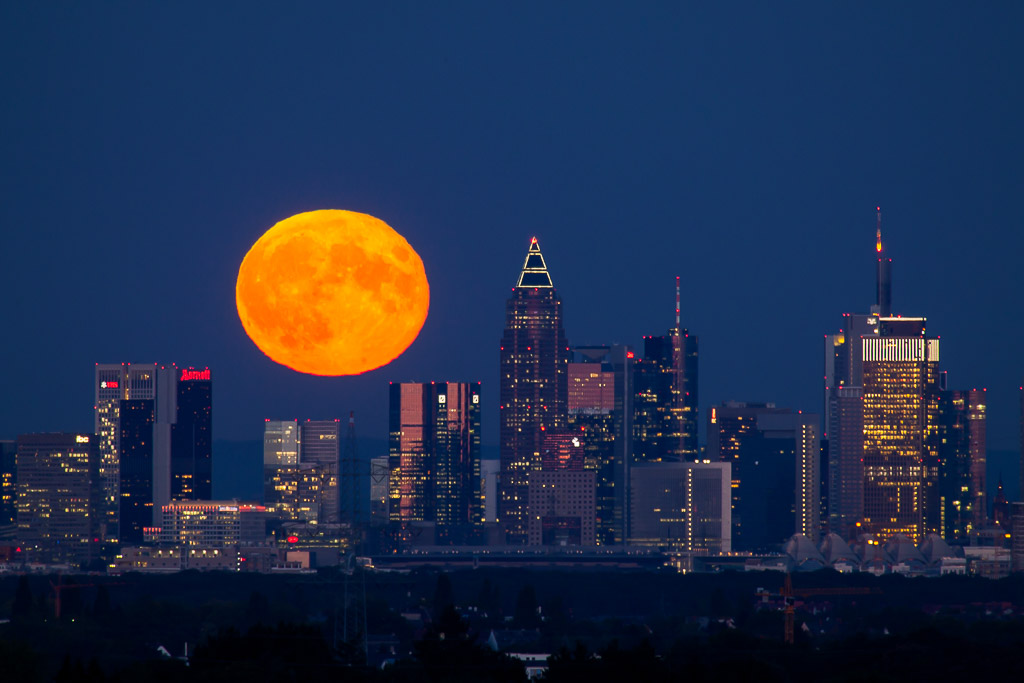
(332, 293)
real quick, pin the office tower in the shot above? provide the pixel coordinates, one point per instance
(490, 471)
(561, 502)
(280, 449)
(682, 506)
(154, 426)
(113, 385)
(320, 446)
(600, 415)
(901, 389)
(136, 465)
(434, 456)
(297, 492)
(846, 460)
(192, 437)
(843, 419)
(8, 488)
(59, 493)
(380, 473)
(961, 449)
(774, 456)
(1017, 537)
(1000, 507)
(665, 403)
(533, 385)
(211, 523)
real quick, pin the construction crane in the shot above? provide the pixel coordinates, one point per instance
(789, 595)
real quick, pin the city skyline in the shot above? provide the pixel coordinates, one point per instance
(747, 169)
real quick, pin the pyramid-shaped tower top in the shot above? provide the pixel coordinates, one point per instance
(535, 271)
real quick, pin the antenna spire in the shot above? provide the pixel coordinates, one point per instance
(878, 232)
(883, 300)
(677, 303)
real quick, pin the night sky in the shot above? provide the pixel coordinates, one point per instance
(744, 147)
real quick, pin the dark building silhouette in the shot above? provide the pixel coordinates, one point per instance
(961, 447)
(434, 457)
(192, 437)
(533, 384)
(137, 418)
(774, 456)
(8, 487)
(665, 400)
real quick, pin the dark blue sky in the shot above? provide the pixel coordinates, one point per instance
(144, 147)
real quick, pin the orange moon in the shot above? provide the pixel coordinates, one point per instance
(332, 293)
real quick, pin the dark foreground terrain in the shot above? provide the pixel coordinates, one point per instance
(431, 626)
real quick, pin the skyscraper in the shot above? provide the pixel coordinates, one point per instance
(843, 416)
(600, 416)
(774, 456)
(321, 446)
(192, 436)
(665, 403)
(59, 492)
(533, 385)
(901, 388)
(153, 425)
(434, 456)
(280, 449)
(961, 449)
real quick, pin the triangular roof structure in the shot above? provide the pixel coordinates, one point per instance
(803, 552)
(935, 549)
(535, 270)
(834, 549)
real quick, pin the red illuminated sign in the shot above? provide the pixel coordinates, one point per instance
(190, 374)
(109, 384)
(293, 539)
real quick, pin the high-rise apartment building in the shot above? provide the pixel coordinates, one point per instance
(154, 428)
(321, 446)
(59, 494)
(434, 456)
(533, 385)
(774, 456)
(665, 403)
(600, 416)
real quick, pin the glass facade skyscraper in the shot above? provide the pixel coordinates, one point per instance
(434, 456)
(533, 383)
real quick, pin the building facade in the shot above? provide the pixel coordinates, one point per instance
(600, 416)
(321, 446)
(901, 390)
(775, 472)
(533, 385)
(683, 506)
(154, 428)
(59, 496)
(434, 457)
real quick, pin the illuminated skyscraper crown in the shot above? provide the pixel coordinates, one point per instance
(535, 271)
